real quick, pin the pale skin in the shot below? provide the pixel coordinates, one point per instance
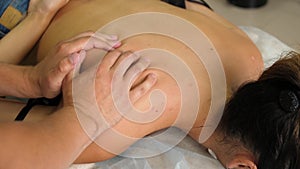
(231, 43)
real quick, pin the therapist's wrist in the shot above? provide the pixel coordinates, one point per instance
(31, 83)
(43, 18)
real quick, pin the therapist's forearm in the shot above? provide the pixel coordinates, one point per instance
(53, 143)
(17, 44)
(16, 81)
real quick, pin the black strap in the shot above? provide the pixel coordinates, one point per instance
(23, 113)
(39, 101)
(178, 3)
(181, 3)
(201, 2)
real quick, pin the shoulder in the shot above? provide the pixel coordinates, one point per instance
(242, 63)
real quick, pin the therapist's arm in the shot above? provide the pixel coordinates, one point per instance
(17, 43)
(56, 141)
(53, 143)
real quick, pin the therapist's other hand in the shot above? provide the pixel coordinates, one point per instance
(103, 85)
(46, 6)
(115, 76)
(48, 75)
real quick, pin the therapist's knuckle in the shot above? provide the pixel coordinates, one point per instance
(49, 81)
(62, 48)
(62, 67)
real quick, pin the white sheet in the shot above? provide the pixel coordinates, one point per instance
(189, 154)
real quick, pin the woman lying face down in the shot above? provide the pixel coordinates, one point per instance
(234, 147)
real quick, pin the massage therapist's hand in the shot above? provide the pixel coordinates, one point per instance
(112, 64)
(48, 7)
(48, 75)
(115, 77)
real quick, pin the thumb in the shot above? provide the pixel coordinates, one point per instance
(64, 67)
(57, 75)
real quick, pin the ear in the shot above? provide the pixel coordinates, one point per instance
(242, 161)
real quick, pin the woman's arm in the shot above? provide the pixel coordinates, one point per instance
(16, 44)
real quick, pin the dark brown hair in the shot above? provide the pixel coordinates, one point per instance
(264, 115)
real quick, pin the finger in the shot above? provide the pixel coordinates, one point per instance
(124, 62)
(74, 46)
(67, 89)
(109, 60)
(110, 40)
(81, 35)
(104, 44)
(85, 43)
(63, 68)
(67, 82)
(136, 68)
(143, 88)
(74, 58)
(78, 60)
(106, 36)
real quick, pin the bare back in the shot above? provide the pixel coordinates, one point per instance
(240, 58)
